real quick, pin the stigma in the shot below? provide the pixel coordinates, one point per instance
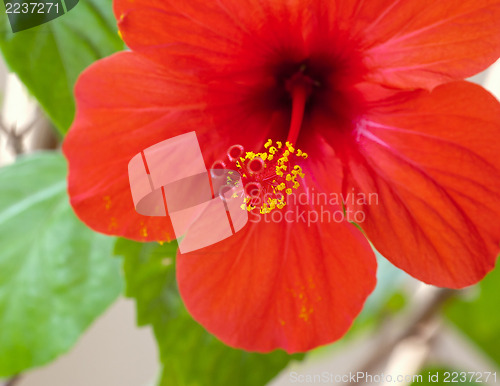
(268, 177)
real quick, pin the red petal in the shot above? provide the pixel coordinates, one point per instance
(196, 35)
(406, 44)
(125, 104)
(168, 37)
(424, 43)
(432, 158)
(186, 35)
(280, 285)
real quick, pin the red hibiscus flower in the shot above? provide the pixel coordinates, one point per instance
(372, 91)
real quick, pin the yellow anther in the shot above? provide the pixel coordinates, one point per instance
(290, 147)
(297, 171)
(247, 207)
(286, 174)
(264, 209)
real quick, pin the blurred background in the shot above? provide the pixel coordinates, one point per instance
(406, 328)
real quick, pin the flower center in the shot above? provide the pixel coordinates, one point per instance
(268, 177)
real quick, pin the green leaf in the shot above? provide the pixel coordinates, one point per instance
(478, 316)
(190, 356)
(56, 276)
(49, 58)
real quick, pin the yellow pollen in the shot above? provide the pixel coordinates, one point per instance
(113, 224)
(144, 230)
(286, 174)
(107, 202)
(304, 313)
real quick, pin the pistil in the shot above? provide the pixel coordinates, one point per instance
(300, 88)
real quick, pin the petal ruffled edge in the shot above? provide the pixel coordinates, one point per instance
(116, 120)
(280, 284)
(432, 160)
